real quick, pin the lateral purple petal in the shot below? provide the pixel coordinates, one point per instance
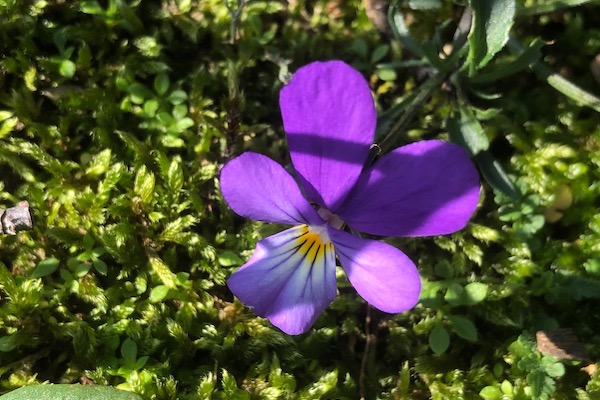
(258, 188)
(329, 117)
(381, 274)
(290, 279)
(422, 189)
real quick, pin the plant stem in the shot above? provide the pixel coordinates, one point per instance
(363, 364)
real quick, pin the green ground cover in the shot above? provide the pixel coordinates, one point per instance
(116, 117)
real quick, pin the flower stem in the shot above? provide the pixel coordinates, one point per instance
(369, 338)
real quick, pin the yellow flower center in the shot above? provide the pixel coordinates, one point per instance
(314, 242)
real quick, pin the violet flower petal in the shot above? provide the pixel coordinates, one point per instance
(290, 279)
(422, 189)
(258, 188)
(381, 274)
(329, 117)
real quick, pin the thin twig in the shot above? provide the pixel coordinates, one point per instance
(365, 357)
(15, 219)
(234, 14)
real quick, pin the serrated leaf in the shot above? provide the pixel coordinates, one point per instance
(541, 384)
(163, 271)
(144, 185)
(492, 21)
(466, 131)
(439, 340)
(553, 368)
(463, 327)
(45, 267)
(100, 164)
(175, 177)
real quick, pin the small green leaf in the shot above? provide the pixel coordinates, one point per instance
(229, 258)
(490, 393)
(158, 293)
(379, 53)
(139, 93)
(161, 83)
(129, 350)
(100, 266)
(139, 364)
(150, 107)
(386, 74)
(553, 368)
(67, 68)
(180, 111)
(439, 340)
(475, 292)
(45, 267)
(454, 294)
(494, 174)
(466, 131)
(492, 21)
(82, 269)
(8, 343)
(463, 327)
(529, 56)
(359, 46)
(177, 97)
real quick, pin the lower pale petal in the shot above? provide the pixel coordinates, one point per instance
(381, 274)
(258, 188)
(422, 189)
(290, 279)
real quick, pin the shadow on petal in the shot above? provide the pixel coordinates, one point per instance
(422, 189)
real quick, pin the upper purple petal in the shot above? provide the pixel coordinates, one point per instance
(422, 189)
(329, 117)
(383, 275)
(258, 188)
(290, 279)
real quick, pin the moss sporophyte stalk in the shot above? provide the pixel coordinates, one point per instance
(422, 189)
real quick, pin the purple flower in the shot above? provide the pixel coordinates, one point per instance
(422, 189)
